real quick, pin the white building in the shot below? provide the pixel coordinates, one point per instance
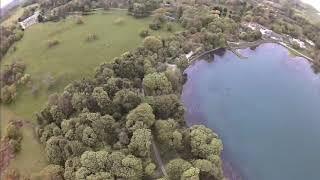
(310, 42)
(30, 20)
(298, 41)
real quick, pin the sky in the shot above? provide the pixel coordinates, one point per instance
(4, 2)
(314, 3)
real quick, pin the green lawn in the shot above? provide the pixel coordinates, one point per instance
(73, 58)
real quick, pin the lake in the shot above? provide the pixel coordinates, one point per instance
(266, 109)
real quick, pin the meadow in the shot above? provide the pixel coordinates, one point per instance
(74, 57)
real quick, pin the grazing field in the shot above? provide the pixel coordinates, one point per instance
(73, 57)
(70, 57)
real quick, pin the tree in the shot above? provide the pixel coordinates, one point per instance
(89, 137)
(176, 167)
(71, 166)
(142, 8)
(57, 114)
(94, 161)
(122, 166)
(13, 132)
(100, 176)
(168, 134)
(175, 77)
(126, 100)
(103, 73)
(205, 166)
(168, 106)
(152, 43)
(140, 117)
(140, 142)
(191, 174)
(55, 150)
(79, 101)
(8, 94)
(182, 63)
(144, 33)
(204, 142)
(104, 127)
(156, 84)
(51, 172)
(128, 66)
(150, 169)
(101, 97)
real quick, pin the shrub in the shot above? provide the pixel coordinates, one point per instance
(15, 145)
(8, 94)
(53, 42)
(144, 33)
(152, 43)
(169, 27)
(118, 21)
(79, 21)
(91, 37)
(155, 26)
(295, 45)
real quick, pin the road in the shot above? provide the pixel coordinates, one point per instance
(297, 52)
(158, 158)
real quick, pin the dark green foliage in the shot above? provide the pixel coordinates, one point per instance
(156, 84)
(128, 66)
(168, 106)
(13, 135)
(176, 167)
(8, 36)
(11, 76)
(167, 134)
(126, 100)
(152, 43)
(140, 143)
(140, 117)
(108, 127)
(250, 35)
(142, 8)
(144, 33)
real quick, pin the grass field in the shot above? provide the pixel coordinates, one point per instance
(73, 58)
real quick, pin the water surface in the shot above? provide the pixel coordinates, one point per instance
(265, 108)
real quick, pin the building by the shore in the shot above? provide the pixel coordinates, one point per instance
(34, 19)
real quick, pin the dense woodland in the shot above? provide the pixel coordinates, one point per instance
(104, 127)
(110, 126)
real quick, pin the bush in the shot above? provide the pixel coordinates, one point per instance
(15, 145)
(155, 26)
(169, 27)
(295, 45)
(144, 33)
(152, 43)
(118, 21)
(52, 43)
(91, 37)
(8, 94)
(79, 21)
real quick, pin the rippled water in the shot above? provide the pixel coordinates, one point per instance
(265, 108)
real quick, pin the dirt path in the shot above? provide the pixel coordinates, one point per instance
(158, 157)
